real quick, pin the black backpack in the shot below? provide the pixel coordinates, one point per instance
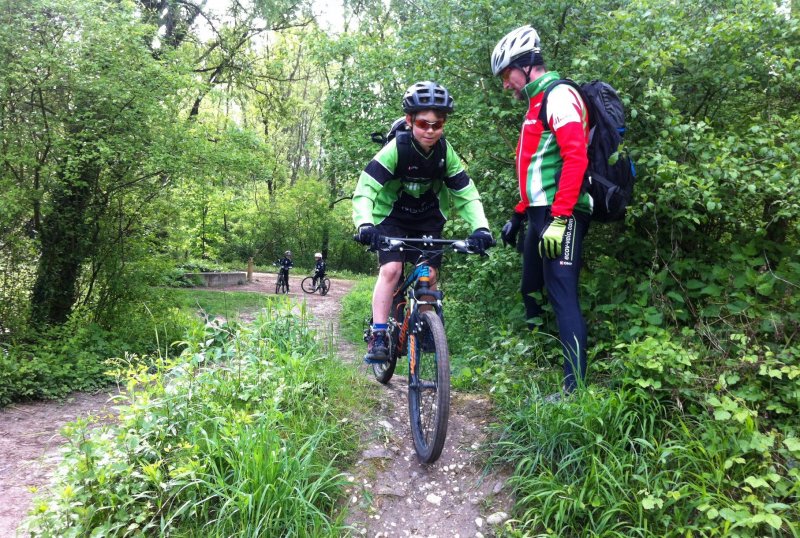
(402, 132)
(611, 173)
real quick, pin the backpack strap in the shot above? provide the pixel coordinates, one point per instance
(403, 141)
(440, 157)
(550, 88)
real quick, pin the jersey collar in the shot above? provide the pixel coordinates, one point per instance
(535, 87)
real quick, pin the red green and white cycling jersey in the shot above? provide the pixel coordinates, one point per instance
(552, 159)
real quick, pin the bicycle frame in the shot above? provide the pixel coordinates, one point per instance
(414, 288)
(416, 285)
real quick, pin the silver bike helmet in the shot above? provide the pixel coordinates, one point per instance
(517, 44)
(427, 95)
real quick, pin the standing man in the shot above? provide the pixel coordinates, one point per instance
(551, 162)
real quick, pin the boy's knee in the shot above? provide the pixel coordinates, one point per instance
(391, 270)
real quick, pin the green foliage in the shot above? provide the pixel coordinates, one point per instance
(53, 362)
(622, 463)
(240, 435)
(357, 310)
(211, 304)
(74, 356)
(37, 370)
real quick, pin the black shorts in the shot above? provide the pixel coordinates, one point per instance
(410, 255)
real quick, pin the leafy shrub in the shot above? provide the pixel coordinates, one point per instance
(74, 357)
(240, 435)
(357, 310)
(621, 463)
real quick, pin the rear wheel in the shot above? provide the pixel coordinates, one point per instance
(385, 370)
(429, 387)
(325, 286)
(308, 284)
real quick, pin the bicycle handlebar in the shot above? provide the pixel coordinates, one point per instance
(396, 244)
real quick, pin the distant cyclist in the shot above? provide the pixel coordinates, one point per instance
(285, 264)
(319, 268)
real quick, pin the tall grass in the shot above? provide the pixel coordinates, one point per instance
(229, 304)
(242, 435)
(622, 463)
(357, 309)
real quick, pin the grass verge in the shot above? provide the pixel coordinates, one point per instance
(243, 434)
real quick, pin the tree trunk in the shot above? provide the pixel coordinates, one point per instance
(63, 241)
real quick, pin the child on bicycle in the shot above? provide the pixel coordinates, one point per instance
(285, 264)
(319, 268)
(406, 191)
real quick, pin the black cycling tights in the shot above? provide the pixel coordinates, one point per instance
(559, 277)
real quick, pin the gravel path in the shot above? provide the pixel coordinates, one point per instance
(391, 493)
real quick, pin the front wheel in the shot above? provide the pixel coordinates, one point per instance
(429, 387)
(308, 284)
(282, 284)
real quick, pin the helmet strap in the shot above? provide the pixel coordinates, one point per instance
(527, 72)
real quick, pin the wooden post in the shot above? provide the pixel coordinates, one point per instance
(250, 269)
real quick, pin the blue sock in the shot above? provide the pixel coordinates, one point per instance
(380, 326)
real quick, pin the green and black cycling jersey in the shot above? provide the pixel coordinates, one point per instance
(421, 197)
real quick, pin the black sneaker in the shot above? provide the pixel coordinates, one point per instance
(377, 350)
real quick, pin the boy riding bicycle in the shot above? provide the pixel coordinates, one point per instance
(285, 264)
(413, 199)
(319, 268)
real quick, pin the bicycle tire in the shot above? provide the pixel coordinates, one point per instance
(384, 371)
(282, 284)
(429, 388)
(325, 287)
(308, 284)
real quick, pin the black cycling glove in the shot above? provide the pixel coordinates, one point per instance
(480, 240)
(510, 229)
(368, 235)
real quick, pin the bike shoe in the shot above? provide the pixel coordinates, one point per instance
(377, 350)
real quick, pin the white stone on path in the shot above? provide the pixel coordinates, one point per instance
(433, 499)
(497, 518)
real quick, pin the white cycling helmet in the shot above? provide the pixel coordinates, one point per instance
(318, 254)
(516, 44)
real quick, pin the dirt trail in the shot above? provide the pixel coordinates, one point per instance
(391, 493)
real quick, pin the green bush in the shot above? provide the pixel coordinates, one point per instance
(623, 463)
(357, 310)
(240, 435)
(74, 357)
